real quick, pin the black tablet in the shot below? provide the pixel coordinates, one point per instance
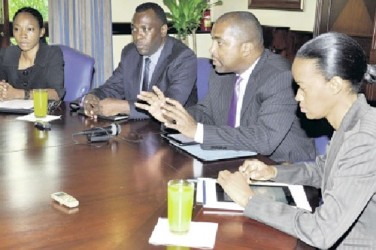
(180, 139)
(275, 193)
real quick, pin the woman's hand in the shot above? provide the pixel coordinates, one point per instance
(7, 92)
(257, 170)
(235, 185)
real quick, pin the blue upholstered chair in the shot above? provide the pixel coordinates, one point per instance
(78, 73)
(204, 68)
(320, 143)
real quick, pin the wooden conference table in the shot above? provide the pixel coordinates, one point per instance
(121, 187)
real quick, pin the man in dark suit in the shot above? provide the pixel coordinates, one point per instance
(261, 116)
(170, 66)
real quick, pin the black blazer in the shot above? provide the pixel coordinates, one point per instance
(48, 70)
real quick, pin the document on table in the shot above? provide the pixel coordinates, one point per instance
(211, 194)
(211, 155)
(16, 105)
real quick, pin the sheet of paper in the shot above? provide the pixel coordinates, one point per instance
(31, 118)
(17, 104)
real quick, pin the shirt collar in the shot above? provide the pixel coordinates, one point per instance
(245, 75)
(155, 56)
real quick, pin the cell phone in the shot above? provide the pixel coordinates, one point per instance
(42, 125)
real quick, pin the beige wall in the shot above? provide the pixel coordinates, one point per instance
(122, 11)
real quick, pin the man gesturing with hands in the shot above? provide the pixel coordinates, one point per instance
(250, 100)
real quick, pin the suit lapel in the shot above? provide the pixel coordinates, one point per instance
(40, 62)
(227, 89)
(252, 85)
(162, 63)
(349, 121)
(138, 69)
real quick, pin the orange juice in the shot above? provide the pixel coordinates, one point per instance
(40, 97)
(180, 204)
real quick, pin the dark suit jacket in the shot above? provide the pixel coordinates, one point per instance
(48, 70)
(347, 178)
(175, 74)
(268, 124)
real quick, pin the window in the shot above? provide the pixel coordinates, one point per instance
(7, 10)
(40, 5)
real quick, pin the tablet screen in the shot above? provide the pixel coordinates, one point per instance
(275, 193)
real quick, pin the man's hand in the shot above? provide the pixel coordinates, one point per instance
(153, 103)
(111, 106)
(257, 170)
(236, 186)
(178, 118)
(91, 106)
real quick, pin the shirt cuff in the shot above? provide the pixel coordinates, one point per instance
(199, 136)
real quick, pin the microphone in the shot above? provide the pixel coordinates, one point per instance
(100, 134)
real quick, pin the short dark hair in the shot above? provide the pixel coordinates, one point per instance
(337, 55)
(249, 25)
(158, 10)
(35, 13)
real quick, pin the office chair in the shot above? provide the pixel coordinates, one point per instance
(78, 73)
(204, 68)
(320, 144)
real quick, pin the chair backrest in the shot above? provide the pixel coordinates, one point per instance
(204, 68)
(321, 142)
(78, 73)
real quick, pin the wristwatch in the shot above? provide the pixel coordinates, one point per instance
(27, 94)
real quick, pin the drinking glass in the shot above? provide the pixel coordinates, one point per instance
(180, 205)
(40, 97)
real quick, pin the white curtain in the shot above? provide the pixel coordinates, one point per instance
(85, 25)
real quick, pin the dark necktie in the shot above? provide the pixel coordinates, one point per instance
(145, 79)
(234, 102)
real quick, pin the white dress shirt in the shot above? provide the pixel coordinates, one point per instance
(199, 136)
(153, 63)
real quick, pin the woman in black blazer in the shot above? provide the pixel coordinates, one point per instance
(32, 64)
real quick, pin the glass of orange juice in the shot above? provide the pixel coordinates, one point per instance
(40, 97)
(179, 205)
